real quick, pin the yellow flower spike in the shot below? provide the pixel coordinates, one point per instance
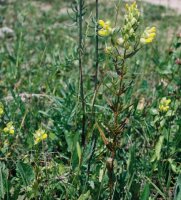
(148, 35)
(9, 128)
(39, 136)
(164, 104)
(131, 21)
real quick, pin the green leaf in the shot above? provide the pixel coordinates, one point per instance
(146, 192)
(177, 195)
(178, 44)
(52, 136)
(3, 180)
(174, 167)
(157, 188)
(79, 152)
(158, 148)
(26, 173)
(154, 111)
(84, 196)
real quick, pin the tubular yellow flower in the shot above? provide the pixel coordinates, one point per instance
(101, 23)
(44, 136)
(39, 136)
(152, 30)
(148, 35)
(164, 104)
(103, 33)
(106, 29)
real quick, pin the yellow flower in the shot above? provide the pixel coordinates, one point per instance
(9, 128)
(104, 25)
(44, 136)
(106, 29)
(164, 104)
(39, 136)
(101, 23)
(148, 35)
(103, 33)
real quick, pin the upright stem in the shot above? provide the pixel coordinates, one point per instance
(94, 138)
(110, 161)
(81, 71)
(97, 45)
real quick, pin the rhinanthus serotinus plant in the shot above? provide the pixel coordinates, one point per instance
(122, 42)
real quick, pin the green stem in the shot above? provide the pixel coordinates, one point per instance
(96, 87)
(81, 71)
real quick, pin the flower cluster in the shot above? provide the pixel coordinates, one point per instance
(126, 39)
(164, 104)
(106, 29)
(9, 128)
(40, 135)
(148, 35)
(1, 109)
(131, 22)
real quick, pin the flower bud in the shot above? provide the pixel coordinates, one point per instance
(120, 41)
(108, 50)
(133, 21)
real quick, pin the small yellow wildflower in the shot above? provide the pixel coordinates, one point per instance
(1, 109)
(106, 29)
(40, 135)
(164, 104)
(9, 128)
(148, 35)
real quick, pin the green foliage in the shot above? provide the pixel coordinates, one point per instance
(178, 189)
(3, 180)
(25, 173)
